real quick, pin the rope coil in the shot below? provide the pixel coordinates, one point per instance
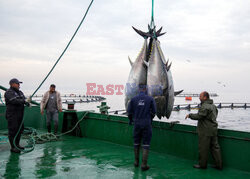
(32, 138)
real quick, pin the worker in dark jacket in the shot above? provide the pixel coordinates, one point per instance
(15, 101)
(207, 132)
(141, 111)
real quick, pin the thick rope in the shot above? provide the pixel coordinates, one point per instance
(34, 138)
(152, 23)
(64, 49)
(50, 73)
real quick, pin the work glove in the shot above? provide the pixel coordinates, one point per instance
(27, 102)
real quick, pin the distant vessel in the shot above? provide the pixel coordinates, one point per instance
(188, 98)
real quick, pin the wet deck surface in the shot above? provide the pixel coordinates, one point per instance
(75, 157)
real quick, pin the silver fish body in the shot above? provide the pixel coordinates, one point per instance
(160, 81)
(171, 94)
(137, 75)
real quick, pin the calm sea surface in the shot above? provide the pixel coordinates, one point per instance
(234, 119)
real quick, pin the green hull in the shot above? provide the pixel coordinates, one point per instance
(179, 142)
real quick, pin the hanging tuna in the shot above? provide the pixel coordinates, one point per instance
(150, 68)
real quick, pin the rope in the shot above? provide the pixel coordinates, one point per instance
(34, 138)
(152, 24)
(74, 126)
(64, 49)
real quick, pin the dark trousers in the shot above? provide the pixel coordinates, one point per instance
(144, 134)
(207, 143)
(14, 123)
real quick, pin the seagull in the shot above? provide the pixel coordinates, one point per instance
(188, 61)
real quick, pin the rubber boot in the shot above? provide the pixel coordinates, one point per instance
(49, 128)
(55, 131)
(13, 149)
(144, 165)
(137, 154)
(18, 142)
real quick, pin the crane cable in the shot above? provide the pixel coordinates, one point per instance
(32, 140)
(64, 49)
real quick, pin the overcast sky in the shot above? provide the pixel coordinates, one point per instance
(208, 42)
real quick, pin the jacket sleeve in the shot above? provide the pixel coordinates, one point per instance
(42, 104)
(59, 101)
(11, 98)
(202, 113)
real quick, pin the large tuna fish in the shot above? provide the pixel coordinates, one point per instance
(170, 95)
(157, 76)
(159, 85)
(137, 75)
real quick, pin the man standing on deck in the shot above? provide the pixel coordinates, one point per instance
(141, 111)
(52, 102)
(15, 101)
(207, 132)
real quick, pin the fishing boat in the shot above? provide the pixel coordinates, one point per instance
(99, 145)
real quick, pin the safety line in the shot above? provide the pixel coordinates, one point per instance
(64, 49)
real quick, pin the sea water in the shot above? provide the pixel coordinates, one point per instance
(233, 119)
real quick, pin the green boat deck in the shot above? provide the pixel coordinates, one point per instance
(75, 157)
(105, 150)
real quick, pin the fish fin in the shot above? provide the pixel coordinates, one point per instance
(149, 27)
(146, 63)
(158, 33)
(167, 63)
(131, 63)
(150, 32)
(178, 92)
(168, 68)
(141, 33)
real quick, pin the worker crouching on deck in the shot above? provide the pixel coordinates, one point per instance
(141, 111)
(15, 101)
(207, 132)
(52, 102)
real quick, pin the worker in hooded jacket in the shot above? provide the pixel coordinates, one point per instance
(207, 132)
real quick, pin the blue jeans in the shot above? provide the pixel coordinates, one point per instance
(52, 116)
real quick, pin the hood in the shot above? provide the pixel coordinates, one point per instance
(209, 101)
